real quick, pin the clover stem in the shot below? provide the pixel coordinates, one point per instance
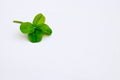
(20, 22)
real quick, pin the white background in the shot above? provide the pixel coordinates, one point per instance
(85, 44)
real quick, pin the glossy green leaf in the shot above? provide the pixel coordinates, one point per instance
(36, 36)
(26, 27)
(45, 29)
(36, 29)
(39, 19)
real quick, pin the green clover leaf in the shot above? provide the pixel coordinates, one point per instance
(45, 29)
(36, 29)
(39, 19)
(26, 27)
(36, 36)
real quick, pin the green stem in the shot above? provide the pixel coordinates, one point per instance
(20, 22)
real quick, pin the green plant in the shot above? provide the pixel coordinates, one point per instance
(36, 29)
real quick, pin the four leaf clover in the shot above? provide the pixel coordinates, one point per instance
(36, 29)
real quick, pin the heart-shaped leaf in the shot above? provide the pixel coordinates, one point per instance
(39, 19)
(26, 27)
(45, 29)
(35, 36)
